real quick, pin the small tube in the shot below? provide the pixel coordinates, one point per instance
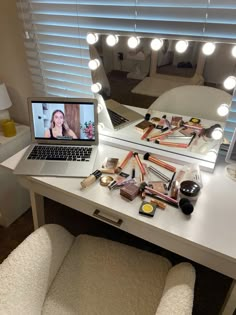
(90, 179)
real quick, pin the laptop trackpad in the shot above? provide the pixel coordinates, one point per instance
(57, 168)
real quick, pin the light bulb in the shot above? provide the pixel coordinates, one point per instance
(92, 38)
(208, 48)
(156, 44)
(233, 51)
(133, 42)
(99, 108)
(212, 154)
(94, 64)
(223, 110)
(96, 87)
(217, 133)
(100, 126)
(181, 46)
(112, 40)
(230, 82)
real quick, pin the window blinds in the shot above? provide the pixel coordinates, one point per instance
(55, 32)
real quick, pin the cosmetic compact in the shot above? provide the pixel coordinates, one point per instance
(189, 189)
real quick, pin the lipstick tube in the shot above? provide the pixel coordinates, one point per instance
(165, 165)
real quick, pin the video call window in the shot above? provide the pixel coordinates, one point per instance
(63, 121)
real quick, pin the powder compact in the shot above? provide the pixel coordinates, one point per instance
(189, 189)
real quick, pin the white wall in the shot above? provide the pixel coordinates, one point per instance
(13, 66)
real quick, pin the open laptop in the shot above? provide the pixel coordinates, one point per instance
(115, 115)
(64, 137)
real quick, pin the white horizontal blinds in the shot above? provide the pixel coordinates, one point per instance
(171, 17)
(57, 50)
(221, 19)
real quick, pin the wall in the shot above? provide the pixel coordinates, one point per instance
(13, 66)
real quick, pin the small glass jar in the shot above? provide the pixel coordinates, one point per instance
(189, 189)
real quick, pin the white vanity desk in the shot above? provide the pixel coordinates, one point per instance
(207, 236)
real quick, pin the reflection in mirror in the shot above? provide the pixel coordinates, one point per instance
(187, 84)
(136, 77)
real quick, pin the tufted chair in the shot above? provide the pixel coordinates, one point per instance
(53, 272)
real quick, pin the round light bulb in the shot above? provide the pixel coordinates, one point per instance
(96, 87)
(156, 44)
(92, 38)
(230, 83)
(181, 46)
(233, 51)
(100, 126)
(112, 40)
(212, 155)
(223, 110)
(99, 108)
(217, 133)
(133, 42)
(208, 48)
(94, 64)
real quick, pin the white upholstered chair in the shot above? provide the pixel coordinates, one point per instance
(193, 100)
(53, 272)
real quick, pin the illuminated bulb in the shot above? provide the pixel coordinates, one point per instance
(223, 110)
(99, 108)
(92, 38)
(230, 82)
(94, 64)
(133, 42)
(208, 48)
(181, 46)
(112, 40)
(156, 44)
(234, 51)
(96, 87)
(217, 133)
(100, 126)
(212, 155)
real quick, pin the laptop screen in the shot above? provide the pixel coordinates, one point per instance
(64, 120)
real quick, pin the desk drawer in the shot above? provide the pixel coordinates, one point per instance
(109, 216)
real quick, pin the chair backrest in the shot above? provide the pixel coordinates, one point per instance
(194, 101)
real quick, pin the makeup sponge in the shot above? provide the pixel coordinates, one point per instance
(186, 206)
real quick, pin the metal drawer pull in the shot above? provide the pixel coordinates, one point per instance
(98, 215)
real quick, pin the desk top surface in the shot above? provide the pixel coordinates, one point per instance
(211, 225)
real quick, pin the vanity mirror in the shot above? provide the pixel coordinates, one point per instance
(186, 84)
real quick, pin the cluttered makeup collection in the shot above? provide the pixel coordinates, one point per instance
(174, 132)
(149, 178)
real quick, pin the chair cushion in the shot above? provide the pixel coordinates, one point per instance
(100, 276)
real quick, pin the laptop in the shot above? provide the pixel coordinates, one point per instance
(64, 137)
(115, 115)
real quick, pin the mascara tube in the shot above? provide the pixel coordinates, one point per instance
(90, 179)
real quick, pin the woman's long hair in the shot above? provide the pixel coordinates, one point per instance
(65, 126)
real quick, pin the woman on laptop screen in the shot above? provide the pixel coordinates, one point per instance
(59, 128)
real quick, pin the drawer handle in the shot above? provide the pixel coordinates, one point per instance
(98, 215)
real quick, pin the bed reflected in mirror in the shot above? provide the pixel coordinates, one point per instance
(187, 84)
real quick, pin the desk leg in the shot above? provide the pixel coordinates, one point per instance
(37, 205)
(230, 301)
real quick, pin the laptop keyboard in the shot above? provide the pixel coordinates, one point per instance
(60, 153)
(116, 119)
